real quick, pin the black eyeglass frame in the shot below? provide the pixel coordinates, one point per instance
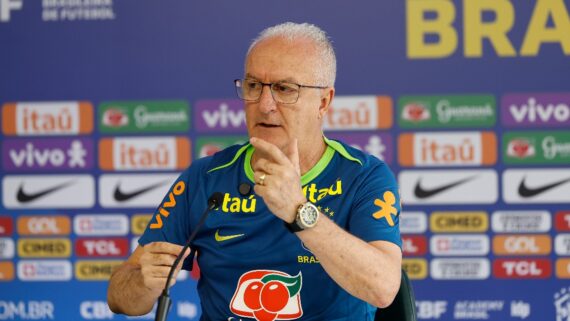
(271, 84)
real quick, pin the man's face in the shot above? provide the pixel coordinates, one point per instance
(275, 60)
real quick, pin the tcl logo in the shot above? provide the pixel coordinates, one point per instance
(115, 247)
(562, 221)
(522, 269)
(415, 245)
(5, 226)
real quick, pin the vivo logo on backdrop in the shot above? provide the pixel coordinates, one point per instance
(47, 154)
(536, 110)
(219, 116)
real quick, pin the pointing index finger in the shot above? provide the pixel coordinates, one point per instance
(269, 151)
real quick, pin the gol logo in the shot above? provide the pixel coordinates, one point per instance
(522, 244)
(6, 271)
(268, 295)
(563, 268)
(44, 225)
(170, 203)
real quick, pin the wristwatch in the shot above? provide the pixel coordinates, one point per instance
(307, 217)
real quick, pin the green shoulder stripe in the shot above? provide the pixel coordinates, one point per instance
(236, 157)
(341, 150)
(332, 146)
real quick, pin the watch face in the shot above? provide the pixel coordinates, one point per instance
(309, 215)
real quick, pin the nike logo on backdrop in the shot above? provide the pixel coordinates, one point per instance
(24, 197)
(121, 196)
(525, 191)
(221, 238)
(421, 192)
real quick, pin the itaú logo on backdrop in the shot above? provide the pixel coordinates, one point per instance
(268, 295)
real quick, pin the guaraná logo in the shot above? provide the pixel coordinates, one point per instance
(268, 295)
(416, 112)
(521, 148)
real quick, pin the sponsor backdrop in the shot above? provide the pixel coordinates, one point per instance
(104, 102)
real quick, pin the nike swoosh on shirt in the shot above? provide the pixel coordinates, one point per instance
(525, 191)
(221, 238)
(24, 197)
(121, 196)
(421, 192)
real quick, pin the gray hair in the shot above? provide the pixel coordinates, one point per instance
(292, 31)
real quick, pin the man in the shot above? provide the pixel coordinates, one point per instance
(316, 239)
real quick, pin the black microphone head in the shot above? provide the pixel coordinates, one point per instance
(215, 200)
(244, 189)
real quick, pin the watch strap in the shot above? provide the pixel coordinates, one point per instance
(293, 227)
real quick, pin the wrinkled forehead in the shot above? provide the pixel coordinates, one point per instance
(279, 58)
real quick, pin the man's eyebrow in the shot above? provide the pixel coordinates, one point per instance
(288, 79)
(250, 76)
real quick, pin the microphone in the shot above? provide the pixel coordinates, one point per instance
(244, 189)
(164, 301)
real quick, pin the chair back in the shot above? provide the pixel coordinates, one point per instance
(404, 306)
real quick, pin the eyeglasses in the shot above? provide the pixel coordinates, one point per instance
(282, 92)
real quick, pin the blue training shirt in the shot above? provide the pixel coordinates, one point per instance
(252, 267)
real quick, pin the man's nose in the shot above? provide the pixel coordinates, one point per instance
(266, 102)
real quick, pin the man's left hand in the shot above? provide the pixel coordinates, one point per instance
(278, 178)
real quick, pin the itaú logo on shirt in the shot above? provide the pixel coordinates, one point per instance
(268, 295)
(313, 193)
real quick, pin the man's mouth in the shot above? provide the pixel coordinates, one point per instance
(266, 125)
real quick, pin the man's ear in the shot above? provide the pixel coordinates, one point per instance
(326, 101)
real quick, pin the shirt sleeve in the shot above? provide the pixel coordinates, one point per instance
(171, 220)
(376, 207)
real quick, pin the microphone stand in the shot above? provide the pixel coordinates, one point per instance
(164, 301)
